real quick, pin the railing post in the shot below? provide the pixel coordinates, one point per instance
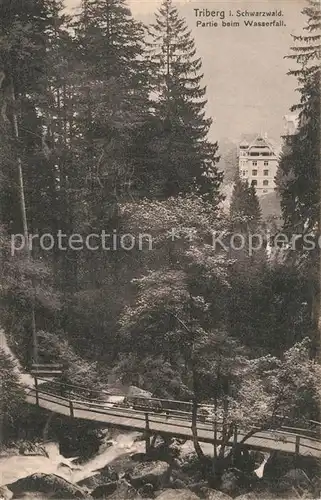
(235, 436)
(297, 446)
(147, 433)
(36, 389)
(71, 408)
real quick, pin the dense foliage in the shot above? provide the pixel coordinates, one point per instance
(104, 128)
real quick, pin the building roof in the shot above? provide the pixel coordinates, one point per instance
(254, 140)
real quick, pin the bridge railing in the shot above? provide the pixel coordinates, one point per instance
(180, 416)
(100, 405)
(151, 422)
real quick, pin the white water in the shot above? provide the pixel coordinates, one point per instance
(25, 378)
(260, 470)
(16, 467)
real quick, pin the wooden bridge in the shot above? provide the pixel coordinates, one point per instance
(175, 423)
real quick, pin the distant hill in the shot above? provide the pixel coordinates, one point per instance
(228, 160)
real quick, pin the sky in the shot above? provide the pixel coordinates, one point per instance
(248, 89)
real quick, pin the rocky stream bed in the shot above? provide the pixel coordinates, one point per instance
(120, 470)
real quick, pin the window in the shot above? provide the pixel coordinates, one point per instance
(266, 163)
(265, 183)
(265, 172)
(254, 183)
(254, 163)
(254, 172)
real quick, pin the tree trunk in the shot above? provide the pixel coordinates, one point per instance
(24, 223)
(197, 447)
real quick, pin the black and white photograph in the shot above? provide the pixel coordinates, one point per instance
(160, 313)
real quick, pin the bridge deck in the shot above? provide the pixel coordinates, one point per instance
(172, 425)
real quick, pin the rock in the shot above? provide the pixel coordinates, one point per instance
(215, 495)
(258, 456)
(140, 437)
(209, 494)
(104, 490)
(122, 465)
(164, 451)
(48, 484)
(247, 496)
(121, 491)
(261, 494)
(230, 483)
(178, 484)
(100, 477)
(5, 493)
(198, 488)
(171, 494)
(138, 457)
(181, 476)
(277, 464)
(155, 473)
(146, 491)
(295, 478)
(33, 495)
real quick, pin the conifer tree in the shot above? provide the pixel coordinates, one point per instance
(112, 95)
(299, 170)
(23, 44)
(298, 178)
(184, 158)
(245, 206)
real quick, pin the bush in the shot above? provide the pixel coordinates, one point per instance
(11, 394)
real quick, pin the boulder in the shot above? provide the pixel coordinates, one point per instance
(155, 473)
(123, 491)
(198, 488)
(104, 490)
(178, 484)
(247, 496)
(139, 457)
(98, 479)
(146, 491)
(209, 494)
(277, 464)
(295, 478)
(49, 484)
(230, 483)
(171, 494)
(33, 495)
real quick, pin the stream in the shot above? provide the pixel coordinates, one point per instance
(16, 467)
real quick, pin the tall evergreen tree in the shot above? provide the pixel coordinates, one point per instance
(23, 55)
(299, 170)
(184, 158)
(245, 206)
(112, 96)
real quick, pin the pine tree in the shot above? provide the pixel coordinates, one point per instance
(23, 40)
(184, 159)
(245, 210)
(299, 170)
(112, 96)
